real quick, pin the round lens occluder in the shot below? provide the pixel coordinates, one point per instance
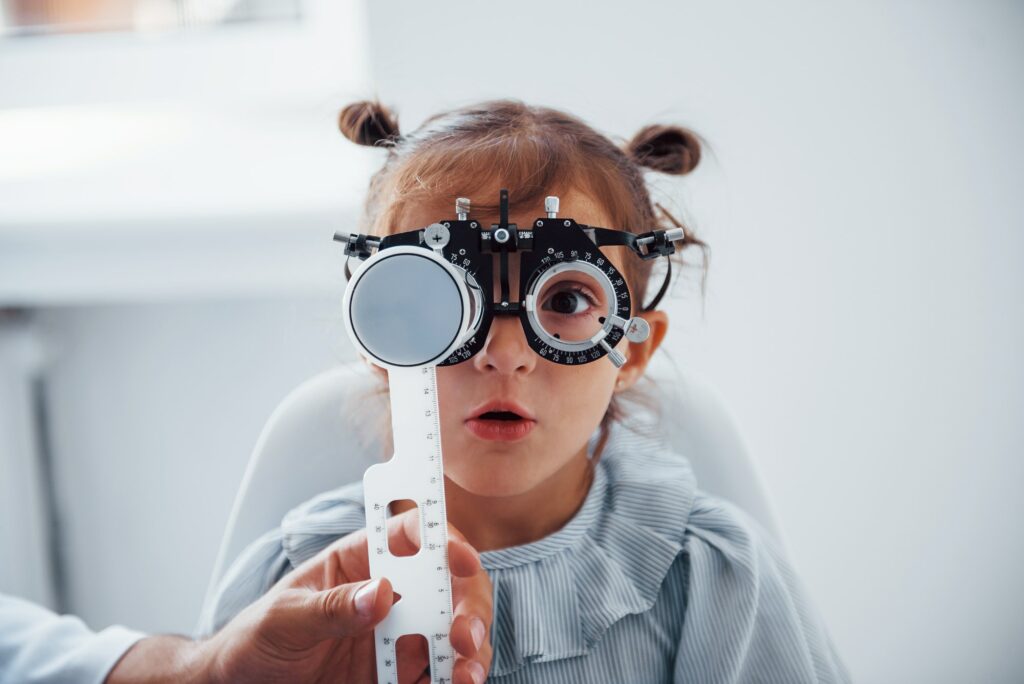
(406, 310)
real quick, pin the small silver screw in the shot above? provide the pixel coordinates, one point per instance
(436, 236)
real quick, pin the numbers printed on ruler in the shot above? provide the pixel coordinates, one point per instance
(416, 472)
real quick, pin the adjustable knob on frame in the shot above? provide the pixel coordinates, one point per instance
(613, 355)
(358, 245)
(658, 243)
(636, 328)
(462, 208)
(551, 206)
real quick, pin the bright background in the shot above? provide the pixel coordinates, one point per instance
(167, 199)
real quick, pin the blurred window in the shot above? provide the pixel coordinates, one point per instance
(46, 17)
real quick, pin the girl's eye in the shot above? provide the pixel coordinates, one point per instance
(570, 302)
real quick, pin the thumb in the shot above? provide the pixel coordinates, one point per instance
(346, 610)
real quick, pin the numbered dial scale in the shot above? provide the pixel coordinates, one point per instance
(566, 272)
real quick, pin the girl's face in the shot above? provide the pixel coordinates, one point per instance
(564, 404)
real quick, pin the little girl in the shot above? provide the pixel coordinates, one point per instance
(608, 564)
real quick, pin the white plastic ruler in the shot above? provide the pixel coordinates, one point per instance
(415, 472)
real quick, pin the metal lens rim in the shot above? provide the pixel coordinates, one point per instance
(476, 293)
(538, 286)
(365, 267)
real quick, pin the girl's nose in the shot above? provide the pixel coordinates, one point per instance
(506, 350)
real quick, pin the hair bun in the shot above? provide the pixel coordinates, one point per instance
(368, 123)
(668, 149)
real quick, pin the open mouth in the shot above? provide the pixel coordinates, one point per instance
(499, 415)
(500, 423)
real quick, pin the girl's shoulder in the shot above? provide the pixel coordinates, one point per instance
(653, 490)
(708, 572)
(302, 533)
(313, 525)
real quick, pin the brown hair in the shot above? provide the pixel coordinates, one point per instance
(534, 152)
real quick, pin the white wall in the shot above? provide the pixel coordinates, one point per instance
(863, 316)
(154, 411)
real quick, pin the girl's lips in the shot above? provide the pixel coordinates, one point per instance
(501, 404)
(500, 430)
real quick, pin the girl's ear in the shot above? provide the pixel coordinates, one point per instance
(640, 353)
(668, 149)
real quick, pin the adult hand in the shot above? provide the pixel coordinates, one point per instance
(316, 624)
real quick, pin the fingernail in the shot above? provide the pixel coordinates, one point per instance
(366, 597)
(477, 629)
(476, 671)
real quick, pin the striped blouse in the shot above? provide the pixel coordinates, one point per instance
(652, 580)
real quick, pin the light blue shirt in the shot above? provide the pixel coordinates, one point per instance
(38, 646)
(652, 580)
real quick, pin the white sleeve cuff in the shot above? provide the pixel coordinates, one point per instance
(37, 646)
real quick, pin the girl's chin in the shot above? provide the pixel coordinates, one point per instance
(489, 482)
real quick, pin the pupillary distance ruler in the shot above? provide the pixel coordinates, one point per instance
(415, 472)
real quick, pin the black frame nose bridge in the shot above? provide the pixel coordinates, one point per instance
(504, 306)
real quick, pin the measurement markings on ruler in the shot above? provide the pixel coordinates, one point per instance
(416, 472)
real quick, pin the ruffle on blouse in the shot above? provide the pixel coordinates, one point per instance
(314, 525)
(555, 598)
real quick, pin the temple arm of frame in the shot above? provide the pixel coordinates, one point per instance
(647, 246)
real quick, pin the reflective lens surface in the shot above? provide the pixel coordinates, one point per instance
(406, 310)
